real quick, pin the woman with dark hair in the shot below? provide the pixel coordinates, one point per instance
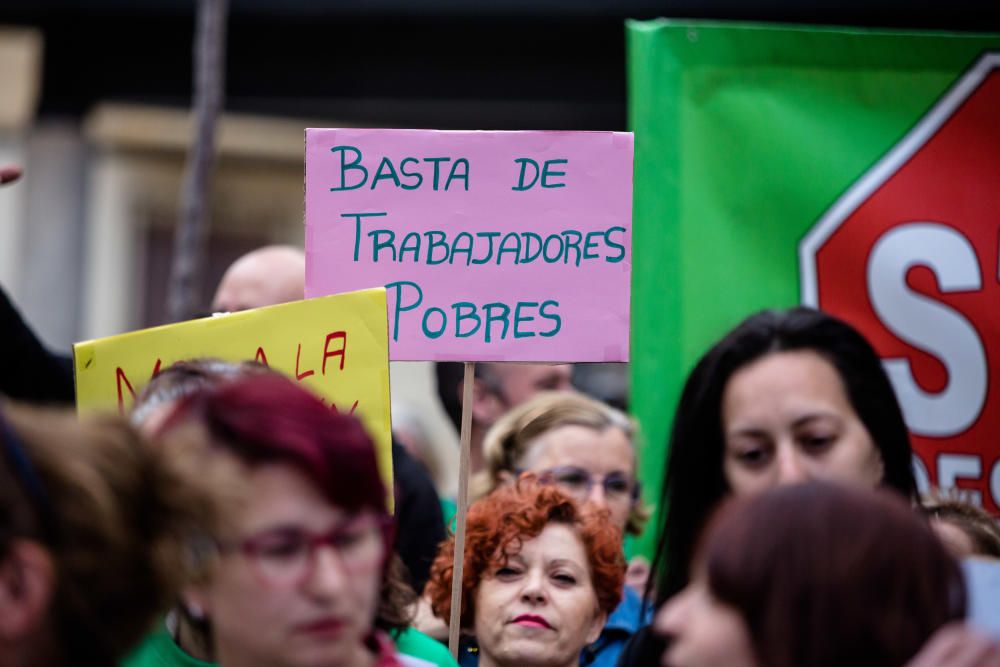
(94, 534)
(786, 396)
(300, 563)
(813, 574)
(539, 577)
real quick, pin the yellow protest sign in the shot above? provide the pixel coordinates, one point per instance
(338, 346)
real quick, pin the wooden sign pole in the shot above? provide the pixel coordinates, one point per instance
(463, 505)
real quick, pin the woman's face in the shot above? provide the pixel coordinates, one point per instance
(595, 467)
(786, 418)
(540, 607)
(703, 632)
(298, 583)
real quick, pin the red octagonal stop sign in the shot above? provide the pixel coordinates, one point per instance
(909, 255)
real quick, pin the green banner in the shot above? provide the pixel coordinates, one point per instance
(747, 138)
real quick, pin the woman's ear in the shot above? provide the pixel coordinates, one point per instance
(600, 620)
(878, 468)
(505, 477)
(195, 601)
(487, 405)
(27, 582)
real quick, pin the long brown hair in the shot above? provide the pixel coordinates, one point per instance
(827, 576)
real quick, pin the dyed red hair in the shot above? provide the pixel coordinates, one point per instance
(499, 523)
(267, 418)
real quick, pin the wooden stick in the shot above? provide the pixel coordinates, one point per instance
(463, 506)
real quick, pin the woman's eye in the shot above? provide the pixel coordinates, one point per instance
(572, 479)
(818, 441)
(281, 550)
(566, 579)
(752, 457)
(507, 572)
(617, 485)
(348, 540)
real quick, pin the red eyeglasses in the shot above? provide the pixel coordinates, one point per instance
(286, 556)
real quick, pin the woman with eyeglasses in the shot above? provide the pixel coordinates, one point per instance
(585, 449)
(299, 566)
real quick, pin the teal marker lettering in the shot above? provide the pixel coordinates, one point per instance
(345, 166)
(620, 246)
(525, 162)
(454, 174)
(410, 174)
(466, 249)
(434, 333)
(513, 248)
(491, 318)
(411, 243)
(436, 161)
(357, 228)
(519, 319)
(549, 258)
(529, 255)
(464, 310)
(489, 254)
(398, 301)
(547, 173)
(378, 245)
(550, 316)
(385, 171)
(436, 239)
(589, 244)
(573, 239)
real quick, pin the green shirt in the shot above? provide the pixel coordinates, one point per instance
(414, 643)
(158, 649)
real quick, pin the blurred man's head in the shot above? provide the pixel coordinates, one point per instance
(501, 387)
(498, 388)
(262, 277)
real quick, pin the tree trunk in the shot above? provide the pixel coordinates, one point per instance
(190, 234)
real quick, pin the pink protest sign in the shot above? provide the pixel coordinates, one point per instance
(493, 246)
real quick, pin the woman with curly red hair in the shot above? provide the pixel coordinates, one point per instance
(539, 579)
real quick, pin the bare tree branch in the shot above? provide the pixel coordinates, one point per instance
(190, 234)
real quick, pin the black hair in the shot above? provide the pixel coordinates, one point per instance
(449, 378)
(694, 481)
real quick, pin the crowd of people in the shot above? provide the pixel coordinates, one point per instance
(232, 519)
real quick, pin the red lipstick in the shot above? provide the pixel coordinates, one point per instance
(327, 627)
(532, 621)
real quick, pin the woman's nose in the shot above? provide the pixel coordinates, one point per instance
(328, 575)
(597, 497)
(670, 619)
(534, 587)
(791, 467)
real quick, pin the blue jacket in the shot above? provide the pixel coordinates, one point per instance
(623, 622)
